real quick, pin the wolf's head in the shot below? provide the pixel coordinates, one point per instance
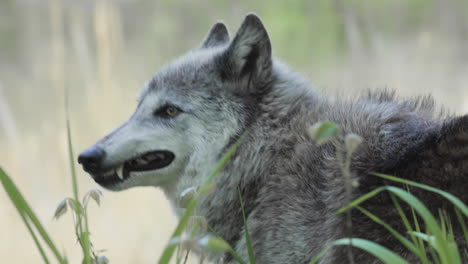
(188, 113)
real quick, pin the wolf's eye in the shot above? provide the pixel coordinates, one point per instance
(168, 111)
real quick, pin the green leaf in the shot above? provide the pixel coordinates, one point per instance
(322, 132)
(61, 209)
(430, 221)
(429, 239)
(431, 224)
(352, 142)
(231, 250)
(454, 200)
(462, 224)
(410, 246)
(360, 200)
(94, 194)
(246, 232)
(36, 241)
(214, 243)
(380, 252)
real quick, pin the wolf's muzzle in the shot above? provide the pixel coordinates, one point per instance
(92, 159)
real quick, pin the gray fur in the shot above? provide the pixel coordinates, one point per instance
(218, 35)
(291, 187)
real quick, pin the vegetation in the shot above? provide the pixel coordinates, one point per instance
(437, 237)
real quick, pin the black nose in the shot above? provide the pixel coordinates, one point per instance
(91, 159)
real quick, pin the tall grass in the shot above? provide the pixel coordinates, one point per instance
(29, 217)
(79, 210)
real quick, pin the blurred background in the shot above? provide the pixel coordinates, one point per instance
(103, 51)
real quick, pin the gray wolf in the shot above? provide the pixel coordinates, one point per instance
(196, 107)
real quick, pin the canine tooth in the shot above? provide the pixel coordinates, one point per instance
(119, 172)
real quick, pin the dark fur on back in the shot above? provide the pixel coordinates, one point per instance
(294, 187)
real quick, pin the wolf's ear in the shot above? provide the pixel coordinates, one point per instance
(218, 35)
(249, 54)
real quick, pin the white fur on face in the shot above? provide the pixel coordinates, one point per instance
(195, 142)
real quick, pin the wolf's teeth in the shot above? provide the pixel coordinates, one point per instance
(141, 161)
(119, 172)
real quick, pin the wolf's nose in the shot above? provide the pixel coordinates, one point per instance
(92, 158)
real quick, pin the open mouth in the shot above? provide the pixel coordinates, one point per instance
(148, 161)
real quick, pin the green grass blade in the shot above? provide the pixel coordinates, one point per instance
(231, 250)
(429, 220)
(380, 252)
(72, 160)
(454, 200)
(410, 246)
(169, 250)
(246, 231)
(25, 210)
(416, 241)
(462, 224)
(320, 255)
(420, 242)
(431, 224)
(429, 239)
(224, 160)
(36, 241)
(360, 200)
(236, 256)
(82, 231)
(17, 203)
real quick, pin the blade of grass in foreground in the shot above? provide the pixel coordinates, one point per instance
(169, 250)
(231, 250)
(392, 231)
(26, 213)
(246, 231)
(380, 252)
(409, 228)
(462, 224)
(360, 200)
(454, 200)
(429, 220)
(36, 241)
(83, 233)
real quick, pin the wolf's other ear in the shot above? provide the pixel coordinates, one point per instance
(218, 35)
(249, 53)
